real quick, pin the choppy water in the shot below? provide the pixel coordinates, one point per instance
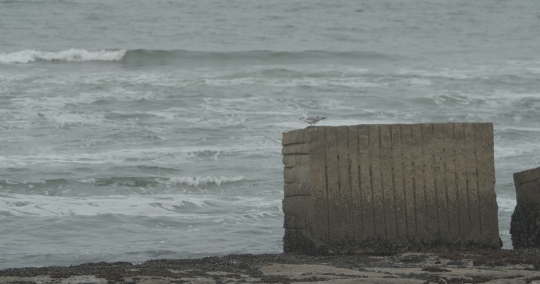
(132, 130)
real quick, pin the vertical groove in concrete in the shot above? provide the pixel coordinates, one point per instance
(389, 194)
(478, 197)
(408, 180)
(345, 193)
(486, 178)
(366, 187)
(472, 185)
(417, 152)
(461, 180)
(354, 171)
(376, 185)
(319, 192)
(430, 182)
(326, 186)
(397, 169)
(450, 178)
(334, 199)
(440, 184)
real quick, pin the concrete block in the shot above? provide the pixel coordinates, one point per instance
(389, 188)
(525, 224)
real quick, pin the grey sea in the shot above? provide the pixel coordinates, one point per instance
(135, 130)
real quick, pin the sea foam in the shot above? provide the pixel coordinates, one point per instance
(202, 181)
(71, 55)
(197, 181)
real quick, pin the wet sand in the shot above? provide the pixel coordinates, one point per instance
(472, 266)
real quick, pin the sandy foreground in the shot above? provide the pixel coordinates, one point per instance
(472, 266)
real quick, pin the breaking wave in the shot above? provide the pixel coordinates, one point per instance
(202, 181)
(198, 181)
(71, 55)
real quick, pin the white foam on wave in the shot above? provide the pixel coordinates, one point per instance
(76, 55)
(516, 149)
(37, 205)
(128, 156)
(188, 180)
(356, 82)
(67, 118)
(49, 157)
(456, 74)
(133, 205)
(31, 105)
(88, 180)
(419, 82)
(200, 181)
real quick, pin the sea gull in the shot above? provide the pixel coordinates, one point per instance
(311, 120)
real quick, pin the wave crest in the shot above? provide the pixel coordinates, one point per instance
(202, 181)
(71, 55)
(197, 181)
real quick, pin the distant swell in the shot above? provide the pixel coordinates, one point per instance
(71, 55)
(142, 57)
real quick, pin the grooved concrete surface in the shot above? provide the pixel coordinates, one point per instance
(400, 187)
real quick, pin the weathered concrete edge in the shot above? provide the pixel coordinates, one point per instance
(526, 176)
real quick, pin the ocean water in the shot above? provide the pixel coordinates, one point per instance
(133, 130)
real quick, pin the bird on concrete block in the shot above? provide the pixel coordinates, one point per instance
(311, 120)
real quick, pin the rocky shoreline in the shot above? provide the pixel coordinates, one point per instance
(471, 266)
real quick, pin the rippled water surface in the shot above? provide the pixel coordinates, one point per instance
(132, 130)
